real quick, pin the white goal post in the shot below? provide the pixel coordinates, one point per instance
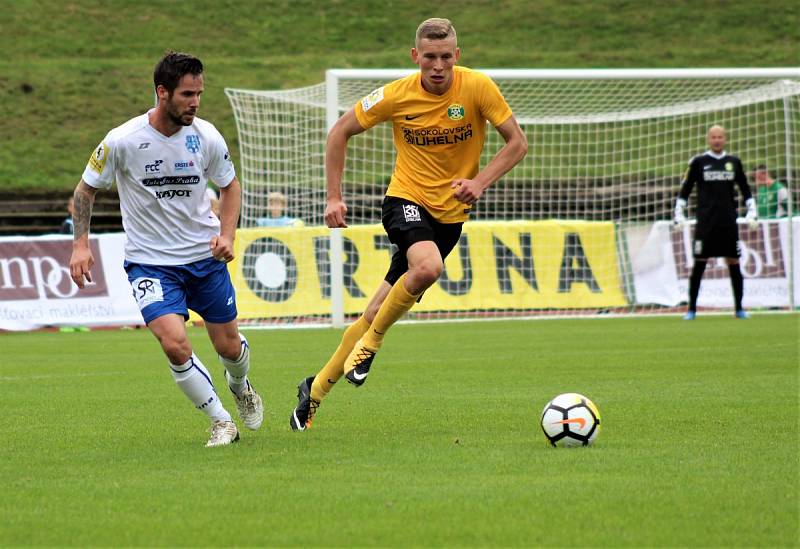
(579, 227)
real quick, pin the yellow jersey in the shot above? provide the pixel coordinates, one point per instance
(439, 138)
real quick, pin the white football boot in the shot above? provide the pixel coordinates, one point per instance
(222, 434)
(249, 406)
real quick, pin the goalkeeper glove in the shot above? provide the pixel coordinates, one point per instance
(752, 213)
(680, 217)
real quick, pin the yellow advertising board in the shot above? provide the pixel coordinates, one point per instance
(497, 265)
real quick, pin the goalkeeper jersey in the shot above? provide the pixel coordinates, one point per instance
(715, 175)
(438, 138)
(166, 212)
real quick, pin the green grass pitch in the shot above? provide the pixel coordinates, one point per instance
(442, 446)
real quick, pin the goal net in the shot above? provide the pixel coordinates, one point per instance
(580, 226)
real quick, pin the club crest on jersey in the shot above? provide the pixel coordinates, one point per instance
(193, 143)
(411, 213)
(729, 166)
(455, 111)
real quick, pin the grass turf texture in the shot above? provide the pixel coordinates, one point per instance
(441, 447)
(71, 71)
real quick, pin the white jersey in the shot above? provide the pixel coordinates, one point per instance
(162, 180)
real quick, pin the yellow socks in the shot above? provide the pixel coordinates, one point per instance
(396, 304)
(334, 369)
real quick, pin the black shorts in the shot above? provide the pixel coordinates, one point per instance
(717, 241)
(407, 223)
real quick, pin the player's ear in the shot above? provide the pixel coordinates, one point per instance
(162, 93)
(415, 56)
(458, 54)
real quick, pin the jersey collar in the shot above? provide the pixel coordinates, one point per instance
(712, 154)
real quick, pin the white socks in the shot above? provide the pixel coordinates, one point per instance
(237, 369)
(195, 382)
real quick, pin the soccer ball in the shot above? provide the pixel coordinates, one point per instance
(570, 420)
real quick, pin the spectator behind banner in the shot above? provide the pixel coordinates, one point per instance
(772, 196)
(276, 203)
(66, 226)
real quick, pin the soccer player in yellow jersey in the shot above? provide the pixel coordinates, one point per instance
(439, 120)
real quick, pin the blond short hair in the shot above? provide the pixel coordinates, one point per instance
(435, 28)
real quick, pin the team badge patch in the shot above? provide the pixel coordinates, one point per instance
(147, 291)
(455, 111)
(372, 99)
(698, 247)
(411, 213)
(193, 143)
(98, 159)
(729, 166)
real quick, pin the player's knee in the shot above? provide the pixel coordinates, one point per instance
(229, 347)
(178, 350)
(428, 272)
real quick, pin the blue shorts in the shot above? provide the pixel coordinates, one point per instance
(203, 286)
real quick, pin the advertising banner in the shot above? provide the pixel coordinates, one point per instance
(36, 290)
(661, 262)
(511, 265)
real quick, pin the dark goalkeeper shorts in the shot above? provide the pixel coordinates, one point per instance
(407, 223)
(718, 241)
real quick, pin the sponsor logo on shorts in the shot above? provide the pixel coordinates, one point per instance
(411, 213)
(147, 291)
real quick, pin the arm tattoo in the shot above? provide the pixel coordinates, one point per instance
(82, 213)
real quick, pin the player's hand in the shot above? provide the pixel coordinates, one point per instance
(467, 191)
(752, 214)
(679, 219)
(222, 248)
(80, 265)
(335, 213)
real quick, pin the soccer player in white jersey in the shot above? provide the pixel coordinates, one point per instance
(177, 249)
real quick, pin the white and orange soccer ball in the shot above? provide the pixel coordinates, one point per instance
(570, 420)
